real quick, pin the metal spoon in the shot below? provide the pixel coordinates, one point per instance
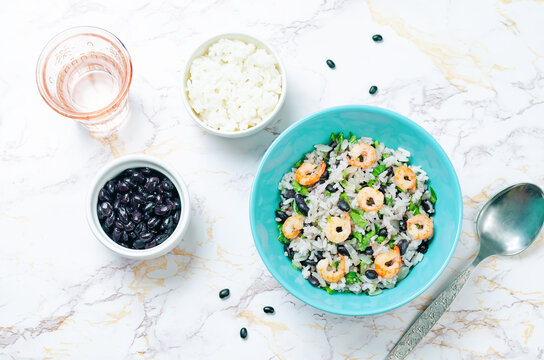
(506, 225)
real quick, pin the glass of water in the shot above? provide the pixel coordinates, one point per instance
(84, 73)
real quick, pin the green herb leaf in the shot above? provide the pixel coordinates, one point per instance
(302, 190)
(344, 183)
(392, 244)
(333, 137)
(385, 156)
(281, 237)
(328, 193)
(340, 140)
(329, 290)
(371, 182)
(366, 239)
(433, 196)
(335, 264)
(344, 174)
(352, 278)
(357, 219)
(380, 239)
(376, 143)
(389, 201)
(352, 138)
(357, 235)
(379, 169)
(377, 228)
(298, 163)
(344, 197)
(413, 208)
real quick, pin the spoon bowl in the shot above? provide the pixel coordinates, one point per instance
(511, 221)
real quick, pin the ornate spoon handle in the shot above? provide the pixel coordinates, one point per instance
(429, 317)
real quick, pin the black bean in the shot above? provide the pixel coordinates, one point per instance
(167, 224)
(403, 245)
(122, 187)
(124, 237)
(308, 262)
(243, 333)
(371, 274)
(268, 309)
(312, 280)
(382, 189)
(301, 204)
(109, 221)
(373, 89)
(159, 239)
(132, 235)
(428, 206)
(368, 251)
(331, 188)
(390, 171)
(116, 234)
(382, 232)
(146, 171)
(178, 204)
(318, 255)
(138, 199)
(151, 184)
(125, 198)
(138, 178)
(288, 250)
(122, 214)
(130, 226)
(146, 236)
(423, 247)
(104, 210)
(402, 224)
(119, 225)
(148, 208)
(344, 206)
(377, 38)
(137, 216)
(139, 244)
(161, 210)
(159, 199)
(171, 205)
(331, 64)
(288, 194)
(103, 195)
(167, 185)
(116, 204)
(153, 222)
(224, 293)
(150, 197)
(281, 215)
(140, 228)
(176, 216)
(110, 186)
(342, 250)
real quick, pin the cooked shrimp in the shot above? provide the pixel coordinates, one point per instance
(338, 229)
(370, 199)
(405, 178)
(388, 264)
(308, 173)
(331, 275)
(361, 155)
(291, 227)
(420, 227)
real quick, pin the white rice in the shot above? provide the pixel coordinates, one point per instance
(312, 244)
(234, 86)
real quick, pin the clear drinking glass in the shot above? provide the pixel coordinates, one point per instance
(84, 73)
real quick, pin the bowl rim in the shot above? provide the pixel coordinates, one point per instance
(203, 47)
(112, 169)
(364, 108)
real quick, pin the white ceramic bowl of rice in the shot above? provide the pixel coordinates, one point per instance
(234, 85)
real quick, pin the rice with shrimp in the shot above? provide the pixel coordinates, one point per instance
(326, 231)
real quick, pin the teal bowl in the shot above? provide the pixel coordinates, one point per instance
(395, 131)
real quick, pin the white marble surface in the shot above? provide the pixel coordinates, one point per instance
(469, 72)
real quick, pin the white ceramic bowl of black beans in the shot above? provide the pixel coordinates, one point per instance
(138, 207)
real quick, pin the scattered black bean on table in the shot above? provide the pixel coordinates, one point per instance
(139, 208)
(268, 309)
(331, 64)
(373, 89)
(243, 333)
(224, 293)
(377, 38)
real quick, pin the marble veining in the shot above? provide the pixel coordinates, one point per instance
(468, 72)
